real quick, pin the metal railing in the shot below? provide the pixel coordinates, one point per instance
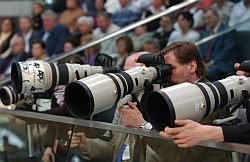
(34, 116)
(116, 33)
(216, 35)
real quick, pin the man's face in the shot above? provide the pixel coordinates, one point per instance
(37, 50)
(102, 23)
(180, 73)
(49, 23)
(211, 20)
(24, 25)
(183, 23)
(17, 46)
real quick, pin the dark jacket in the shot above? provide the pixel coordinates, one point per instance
(55, 41)
(7, 62)
(34, 36)
(5, 45)
(223, 53)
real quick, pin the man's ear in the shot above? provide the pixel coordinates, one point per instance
(192, 65)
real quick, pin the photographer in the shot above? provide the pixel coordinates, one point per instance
(187, 66)
(185, 138)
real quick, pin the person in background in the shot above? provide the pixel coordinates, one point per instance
(104, 27)
(17, 53)
(6, 33)
(85, 26)
(89, 54)
(219, 54)
(70, 15)
(156, 6)
(151, 46)
(186, 32)
(70, 43)
(164, 31)
(37, 9)
(53, 33)
(27, 33)
(125, 15)
(224, 8)
(139, 37)
(38, 48)
(124, 47)
(99, 7)
(239, 13)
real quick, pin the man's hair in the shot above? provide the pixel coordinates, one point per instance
(49, 13)
(86, 19)
(215, 12)
(40, 42)
(153, 42)
(185, 52)
(188, 16)
(104, 14)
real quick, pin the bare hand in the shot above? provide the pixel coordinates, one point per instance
(48, 155)
(79, 140)
(131, 117)
(239, 72)
(189, 133)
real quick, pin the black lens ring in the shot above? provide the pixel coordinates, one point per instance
(123, 83)
(54, 76)
(129, 81)
(91, 101)
(117, 87)
(17, 83)
(223, 93)
(171, 110)
(208, 102)
(63, 74)
(216, 97)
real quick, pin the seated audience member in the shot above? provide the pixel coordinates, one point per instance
(104, 27)
(26, 31)
(53, 33)
(38, 50)
(189, 133)
(17, 53)
(125, 15)
(85, 26)
(37, 8)
(224, 8)
(111, 6)
(197, 13)
(219, 54)
(124, 47)
(239, 13)
(185, 33)
(156, 6)
(89, 54)
(194, 70)
(100, 5)
(139, 37)
(70, 43)
(151, 46)
(6, 33)
(164, 31)
(70, 15)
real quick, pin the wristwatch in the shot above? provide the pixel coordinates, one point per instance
(146, 125)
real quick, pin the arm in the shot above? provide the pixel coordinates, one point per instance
(190, 133)
(91, 148)
(131, 117)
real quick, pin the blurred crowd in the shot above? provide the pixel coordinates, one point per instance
(70, 23)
